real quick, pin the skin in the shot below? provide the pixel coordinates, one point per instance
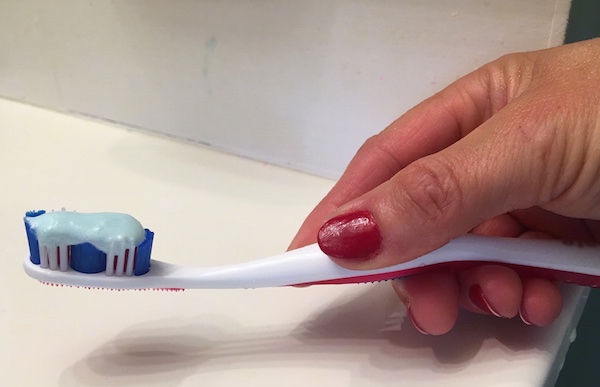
(511, 149)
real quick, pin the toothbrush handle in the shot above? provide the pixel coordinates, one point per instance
(571, 277)
(557, 260)
(551, 259)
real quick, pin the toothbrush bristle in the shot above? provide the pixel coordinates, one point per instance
(112, 289)
(125, 255)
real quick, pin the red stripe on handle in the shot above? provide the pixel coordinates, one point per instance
(524, 271)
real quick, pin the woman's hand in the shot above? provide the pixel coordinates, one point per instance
(512, 149)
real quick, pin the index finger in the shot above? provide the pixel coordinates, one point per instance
(429, 127)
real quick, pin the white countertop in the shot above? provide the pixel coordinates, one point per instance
(208, 208)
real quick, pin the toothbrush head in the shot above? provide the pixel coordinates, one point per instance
(112, 243)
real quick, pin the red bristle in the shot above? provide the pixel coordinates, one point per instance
(126, 259)
(113, 289)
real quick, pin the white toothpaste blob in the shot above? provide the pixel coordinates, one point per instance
(103, 230)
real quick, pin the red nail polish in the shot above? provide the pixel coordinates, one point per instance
(523, 316)
(415, 323)
(478, 299)
(350, 236)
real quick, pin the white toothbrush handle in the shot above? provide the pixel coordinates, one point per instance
(547, 258)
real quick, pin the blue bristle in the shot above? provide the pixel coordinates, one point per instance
(33, 214)
(142, 262)
(34, 248)
(85, 258)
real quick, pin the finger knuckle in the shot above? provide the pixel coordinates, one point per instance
(432, 190)
(508, 77)
(384, 152)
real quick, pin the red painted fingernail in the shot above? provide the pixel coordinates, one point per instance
(478, 299)
(415, 323)
(350, 236)
(523, 316)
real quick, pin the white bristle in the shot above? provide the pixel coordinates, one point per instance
(43, 256)
(110, 260)
(130, 261)
(64, 257)
(53, 257)
(120, 263)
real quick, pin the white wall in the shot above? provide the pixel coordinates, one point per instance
(296, 83)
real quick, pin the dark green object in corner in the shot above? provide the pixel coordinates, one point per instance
(582, 365)
(584, 21)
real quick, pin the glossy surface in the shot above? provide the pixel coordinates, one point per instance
(350, 236)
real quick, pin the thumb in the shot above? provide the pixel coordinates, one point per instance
(489, 172)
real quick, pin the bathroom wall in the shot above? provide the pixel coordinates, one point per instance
(295, 83)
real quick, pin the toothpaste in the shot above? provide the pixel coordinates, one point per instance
(99, 229)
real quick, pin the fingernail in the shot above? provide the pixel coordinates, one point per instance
(350, 236)
(478, 299)
(523, 316)
(398, 286)
(415, 323)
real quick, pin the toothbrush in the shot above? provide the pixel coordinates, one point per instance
(553, 259)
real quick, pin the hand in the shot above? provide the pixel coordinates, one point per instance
(512, 149)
